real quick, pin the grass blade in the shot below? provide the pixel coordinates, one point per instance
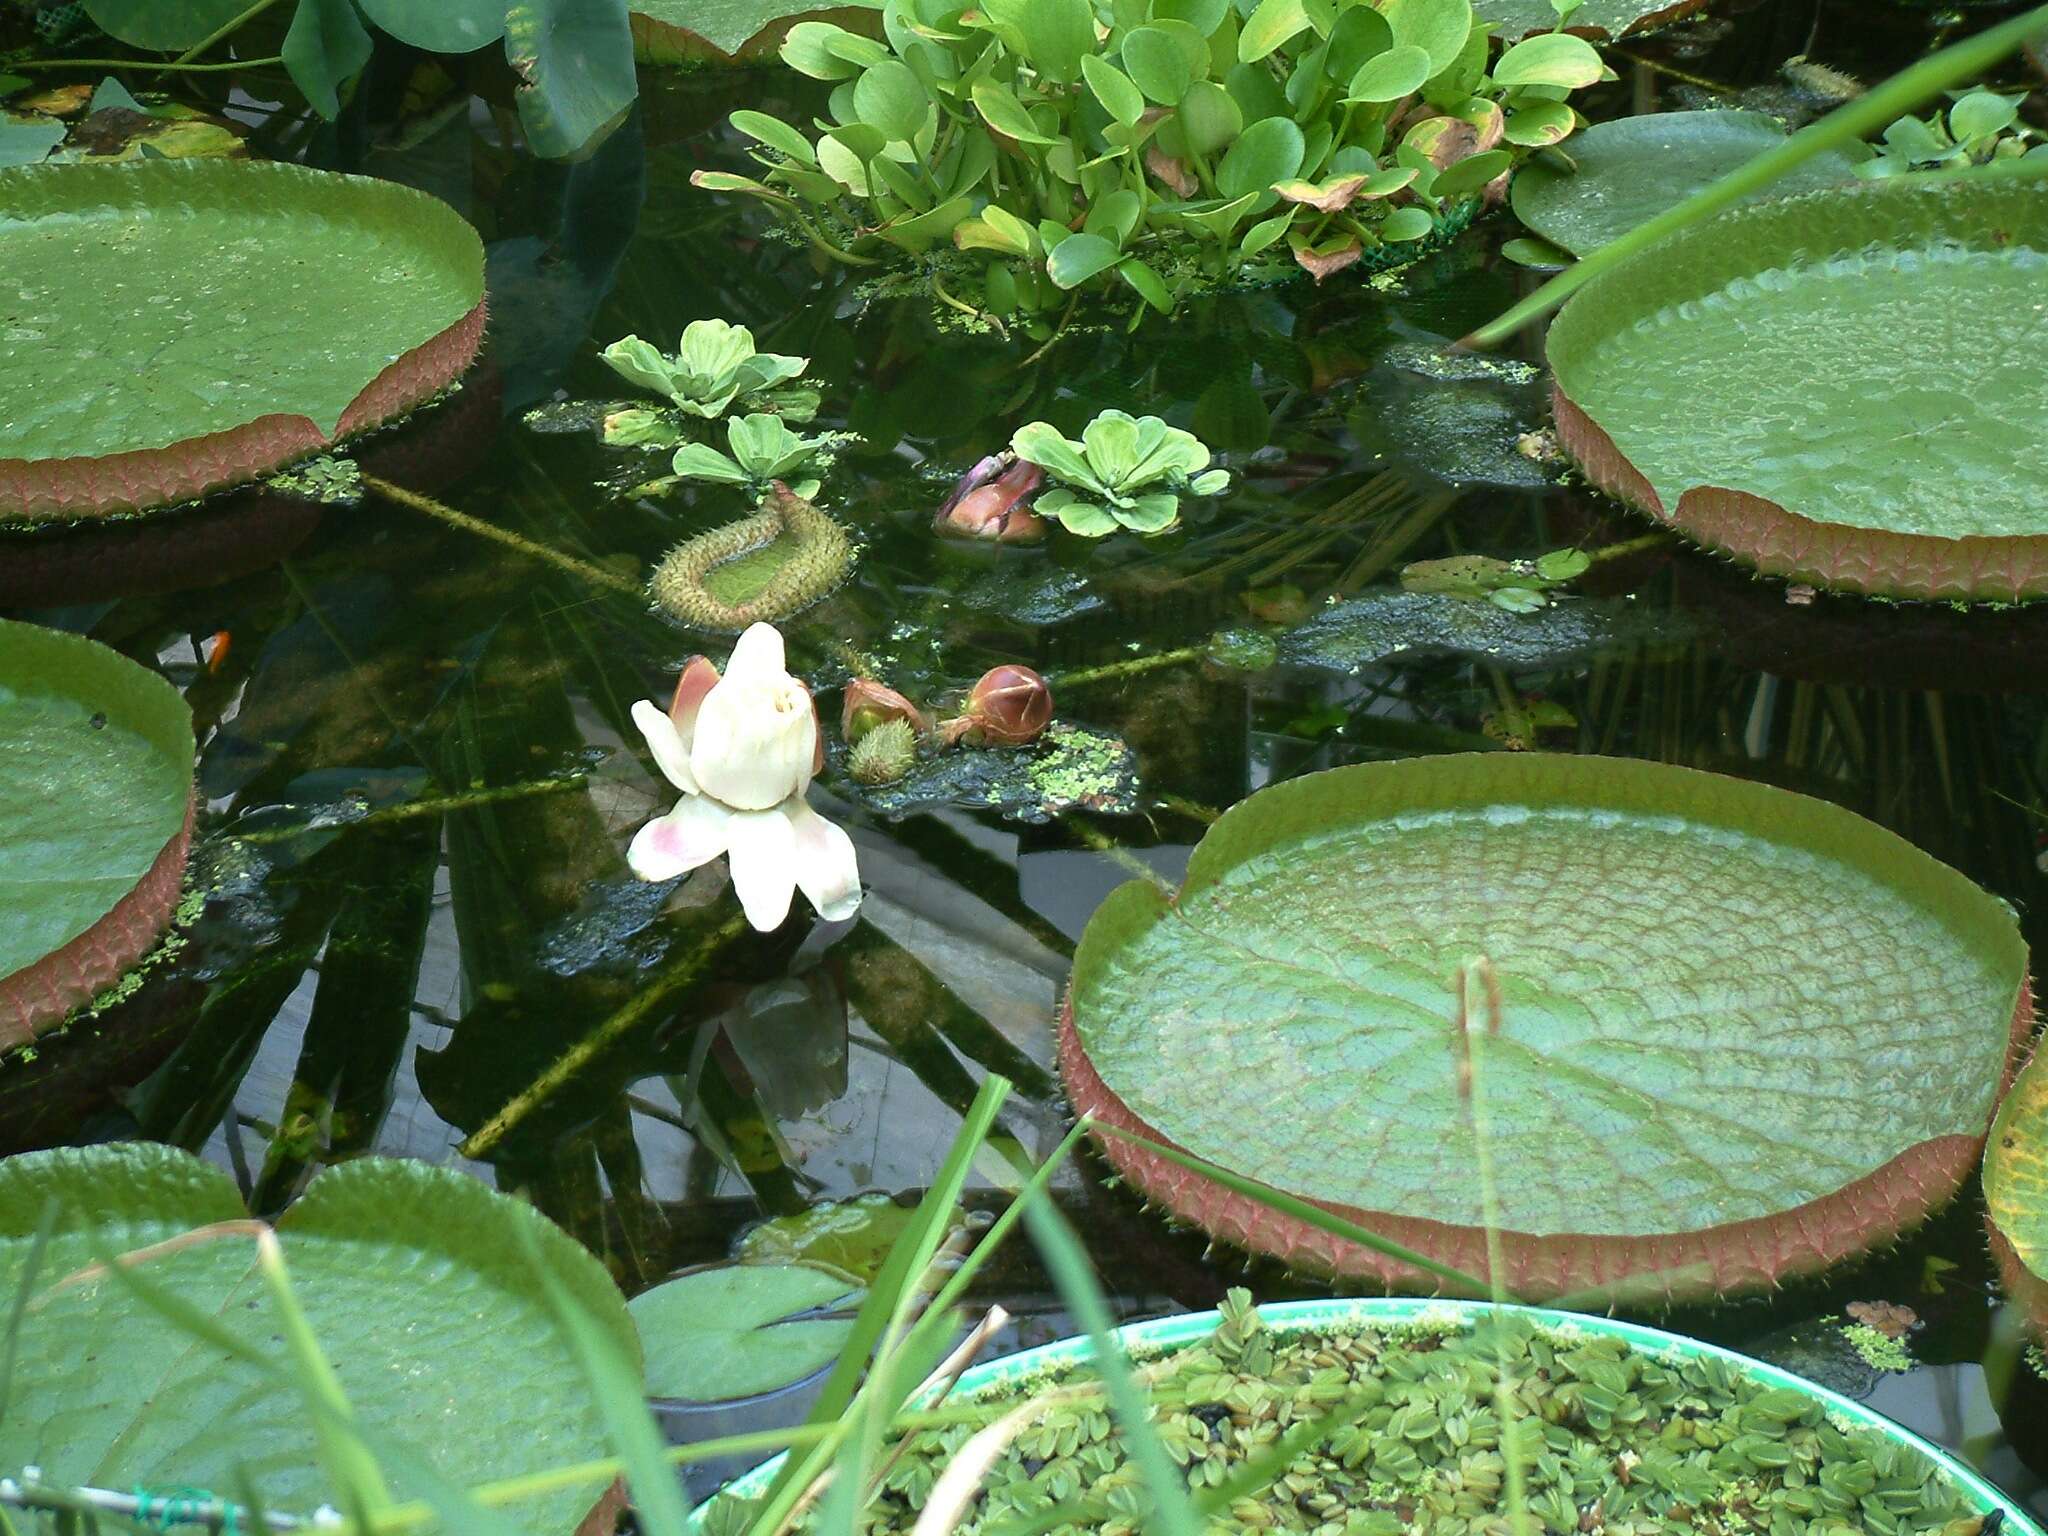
(1301, 1210)
(1874, 110)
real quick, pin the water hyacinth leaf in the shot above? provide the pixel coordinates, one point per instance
(1271, 23)
(1079, 257)
(1612, 1078)
(1405, 224)
(95, 792)
(1158, 64)
(1056, 34)
(1391, 75)
(1359, 34)
(1147, 283)
(1210, 116)
(165, 25)
(1205, 16)
(1538, 255)
(920, 232)
(776, 134)
(1112, 87)
(1829, 475)
(1002, 111)
(1469, 175)
(1114, 216)
(459, 26)
(272, 366)
(1439, 28)
(1535, 124)
(413, 1280)
(1266, 152)
(1634, 168)
(574, 59)
(735, 1330)
(889, 98)
(1555, 59)
(1262, 234)
(805, 49)
(1981, 114)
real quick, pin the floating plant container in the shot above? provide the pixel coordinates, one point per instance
(176, 326)
(1840, 387)
(96, 808)
(1146, 1341)
(1742, 1034)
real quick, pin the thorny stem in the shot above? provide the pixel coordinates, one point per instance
(565, 1067)
(1129, 668)
(582, 568)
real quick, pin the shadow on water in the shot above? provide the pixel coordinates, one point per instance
(419, 936)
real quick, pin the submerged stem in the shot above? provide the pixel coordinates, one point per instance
(190, 69)
(447, 514)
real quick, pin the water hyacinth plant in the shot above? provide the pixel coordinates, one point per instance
(715, 369)
(1978, 127)
(1125, 472)
(1189, 141)
(764, 450)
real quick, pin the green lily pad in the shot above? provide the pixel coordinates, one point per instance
(415, 1280)
(1385, 626)
(153, 357)
(95, 799)
(1633, 168)
(1840, 387)
(738, 1330)
(1599, 18)
(2016, 1190)
(1745, 1034)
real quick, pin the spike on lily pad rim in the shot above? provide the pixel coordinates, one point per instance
(1780, 541)
(1655, 1268)
(1161, 1335)
(40, 996)
(72, 488)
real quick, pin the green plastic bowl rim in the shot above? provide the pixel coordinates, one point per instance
(1381, 1311)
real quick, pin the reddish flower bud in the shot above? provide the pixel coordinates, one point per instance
(869, 704)
(990, 502)
(1010, 706)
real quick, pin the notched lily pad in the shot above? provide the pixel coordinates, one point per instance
(1070, 767)
(1744, 1034)
(95, 817)
(738, 1330)
(151, 360)
(1839, 387)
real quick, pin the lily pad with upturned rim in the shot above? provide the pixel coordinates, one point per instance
(2016, 1191)
(1746, 1034)
(95, 819)
(1841, 387)
(176, 326)
(1596, 18)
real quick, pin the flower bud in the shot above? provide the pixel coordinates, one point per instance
(869, 704)
(990, 502)
(885, 754)
(1011, 706)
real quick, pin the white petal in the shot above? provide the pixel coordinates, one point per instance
(666, 743)
(757, 658)
(827, 871)
(693, 833)
(755, 742)
(762, 845)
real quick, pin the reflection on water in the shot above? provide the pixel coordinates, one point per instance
(419, 769)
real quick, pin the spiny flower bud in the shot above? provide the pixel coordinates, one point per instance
(884, 754)
(869, 704)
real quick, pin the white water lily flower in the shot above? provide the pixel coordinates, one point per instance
(742, 749)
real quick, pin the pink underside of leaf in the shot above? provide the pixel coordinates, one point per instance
(43, 994)
(1692, 1266)
(1780, 542)
(44, 489)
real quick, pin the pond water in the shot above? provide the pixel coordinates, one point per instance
(420, 937)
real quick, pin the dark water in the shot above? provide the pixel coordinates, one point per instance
(419, 774)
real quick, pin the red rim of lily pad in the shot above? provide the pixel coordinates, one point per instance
(1771, 537)
(1646, 1266)
(1644, 23)
(407, 224)
(43, 993)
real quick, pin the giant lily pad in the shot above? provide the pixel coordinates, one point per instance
(1746, 1034)
(1840, 387)
(1596, 18)
(175, 326)
(2016, 1190)
(95, 817)
(420, 1284)
(1631, 169)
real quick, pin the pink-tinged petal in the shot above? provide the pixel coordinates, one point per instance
(671, 752)
(757, 658)
(692, 834)
(827, 870)
(699, 678)
(762, 847)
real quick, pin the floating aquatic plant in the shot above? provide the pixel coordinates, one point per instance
(1384, 1428)
(742, 749)
(763, 450)
(776, 563)
(1978, 127)
(1290, 1015)
(715, 369)
(1520, 586)
(1125, 472)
